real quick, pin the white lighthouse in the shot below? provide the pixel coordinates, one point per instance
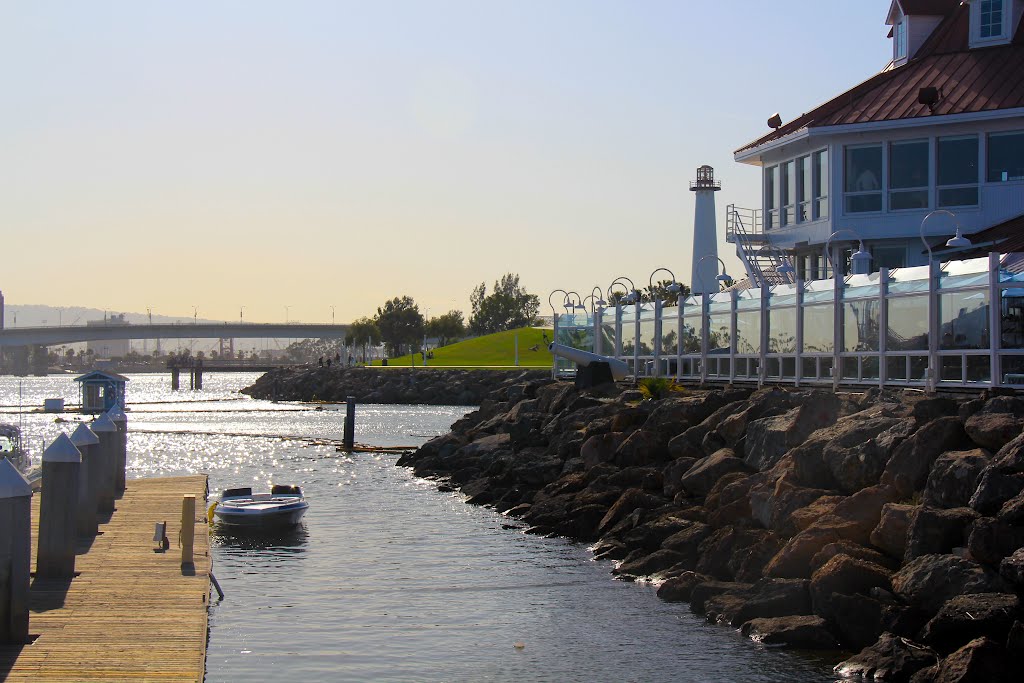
(705, 240)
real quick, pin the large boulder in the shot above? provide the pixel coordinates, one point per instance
(630, 500)
(600, 448)
(982, 660)
(768, 438)
(648, 564)
(703, 592)
(990, 540)
(679, 588)
(851, 549)
(774, 503)
(1012, 569)
(688, 540)
(998, 422)
(966, 617)
(1002, 479)
(672, 475)
(849, 455)
(892, 658)
(954, 478)
(805, 632)
(846, 576)
(929, 581)
(891, 533)
(911, 461)
(702, 477)
(722, 553)
(936, 532)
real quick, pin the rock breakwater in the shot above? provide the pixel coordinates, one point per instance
(428, 386)
(885, 523)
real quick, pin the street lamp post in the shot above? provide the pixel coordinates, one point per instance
(957, 240)
(860, 261)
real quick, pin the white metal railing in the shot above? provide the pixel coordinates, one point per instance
(960, 324)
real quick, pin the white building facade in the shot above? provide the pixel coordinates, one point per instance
(941, 128)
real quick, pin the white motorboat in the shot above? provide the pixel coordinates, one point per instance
(284, 506)
(11, 449)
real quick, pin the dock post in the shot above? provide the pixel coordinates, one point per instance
(188, 529)
(175, 379)
(118, 417)
(15, 553)
(199, 374)
(88, 481)
(55, 555)
(348, 440)
(106, 431)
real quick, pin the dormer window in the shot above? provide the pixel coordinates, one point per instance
(899, 39)
(990, 19)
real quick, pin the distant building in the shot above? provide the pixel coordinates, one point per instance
(109, 348)
(101, 391)
(940, 128)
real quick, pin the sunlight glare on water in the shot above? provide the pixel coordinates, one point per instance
(389, 579)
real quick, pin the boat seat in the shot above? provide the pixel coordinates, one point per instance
(244, 491)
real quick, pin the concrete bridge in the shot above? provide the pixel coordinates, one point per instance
(50, 336)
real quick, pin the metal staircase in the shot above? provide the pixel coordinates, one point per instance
(761, 259)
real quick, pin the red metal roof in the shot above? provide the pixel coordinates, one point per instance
(982, 79)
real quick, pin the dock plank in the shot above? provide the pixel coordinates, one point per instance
(131, 614)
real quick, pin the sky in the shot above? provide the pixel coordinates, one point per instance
(309, 160)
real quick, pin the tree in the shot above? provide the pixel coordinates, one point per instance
(446, 328)
(508, 307)
(400, 323)
(660, 291)
(363, 332)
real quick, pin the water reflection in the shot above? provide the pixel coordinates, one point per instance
(265, 543)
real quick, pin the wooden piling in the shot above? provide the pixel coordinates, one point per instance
(15, 553)
(118, 417)
(86, 521)
(175, 379)
(55, 556)
(350, 423)
(188, 530)
(106, 459)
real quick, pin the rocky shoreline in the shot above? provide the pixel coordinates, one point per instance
(888, 523)
(426, 386)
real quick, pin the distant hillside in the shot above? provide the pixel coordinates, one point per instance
(37, 315)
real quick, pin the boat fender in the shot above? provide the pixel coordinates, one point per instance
(209, 512)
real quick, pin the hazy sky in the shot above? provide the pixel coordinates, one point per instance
(306, 154)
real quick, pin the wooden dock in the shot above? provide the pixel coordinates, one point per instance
(131, 614)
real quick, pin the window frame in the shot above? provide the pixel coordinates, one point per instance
(891, 146)
(899, 39)
(880, 191)
(819, 186)
(976, 185)
(988, 156)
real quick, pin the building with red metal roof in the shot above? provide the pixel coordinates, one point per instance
(940, 128)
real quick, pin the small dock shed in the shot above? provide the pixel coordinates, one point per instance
(102, 390)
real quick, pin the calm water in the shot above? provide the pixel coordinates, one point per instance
(389, 579)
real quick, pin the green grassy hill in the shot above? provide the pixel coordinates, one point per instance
(491, 350)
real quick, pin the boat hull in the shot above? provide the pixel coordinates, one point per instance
(261, 515)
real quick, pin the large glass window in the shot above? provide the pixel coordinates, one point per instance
(908, 324)
(861, 325)
(991, 18)
(963, 320)
(958, 171)
(899, 38)
(908, 175)
(782, 330)
(819, 328)
(863, 179)
(819, 166)
(803, 169)
(788, 173)
(771, 193)
(888, 256)
(1005, 157)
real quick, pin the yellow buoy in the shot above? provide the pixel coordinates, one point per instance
(519, 645)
